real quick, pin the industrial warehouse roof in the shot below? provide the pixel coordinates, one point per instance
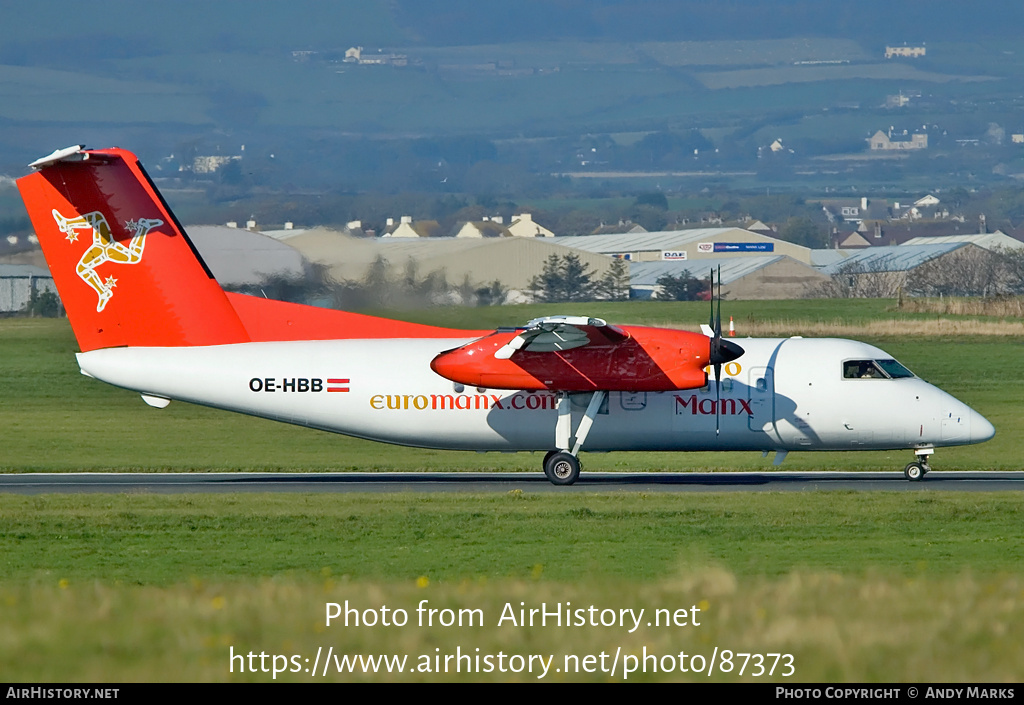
(237, 256)
(22, 270)
(649, 246)
(823, 258)
(733, 268)
(751, 277)
(989, 241)
(897, 258)
(663, 240)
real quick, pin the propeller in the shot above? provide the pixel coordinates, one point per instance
(722, 351)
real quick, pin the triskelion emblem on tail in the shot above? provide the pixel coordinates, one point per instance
(105, 248)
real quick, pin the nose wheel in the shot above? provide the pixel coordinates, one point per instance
(916, 470)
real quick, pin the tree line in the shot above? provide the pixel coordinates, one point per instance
(969, 271)
(567, 278)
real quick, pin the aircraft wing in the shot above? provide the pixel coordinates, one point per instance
(558, 333)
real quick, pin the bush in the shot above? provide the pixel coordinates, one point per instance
(45, 304)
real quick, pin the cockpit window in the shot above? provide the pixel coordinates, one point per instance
(862, 369)
(875, 369)
(894, 369)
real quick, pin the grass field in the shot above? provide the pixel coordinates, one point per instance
(907, 586)
(855, 587)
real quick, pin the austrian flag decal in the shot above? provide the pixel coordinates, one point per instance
(337, 384)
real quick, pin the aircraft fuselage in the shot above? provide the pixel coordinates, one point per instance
(783, 394)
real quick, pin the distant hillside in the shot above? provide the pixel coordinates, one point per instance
(439, 22)
(456, 95)
(70, 32)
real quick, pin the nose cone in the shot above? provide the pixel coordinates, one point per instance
(981, 429)
(726, 351)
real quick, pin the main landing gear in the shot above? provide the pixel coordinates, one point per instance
(562, 466)
(916, 470)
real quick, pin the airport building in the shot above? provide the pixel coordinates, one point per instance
(512, 261)
(240, 257)
(755, 277)
(686, 245)
(19, 283)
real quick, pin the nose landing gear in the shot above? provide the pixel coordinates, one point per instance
(916, 470)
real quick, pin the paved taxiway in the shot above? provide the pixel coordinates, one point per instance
(176, 483)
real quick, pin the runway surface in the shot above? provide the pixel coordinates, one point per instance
(177, 483)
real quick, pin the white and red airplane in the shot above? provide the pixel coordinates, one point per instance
(149, 316)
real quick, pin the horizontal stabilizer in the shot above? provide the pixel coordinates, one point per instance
(68, 154)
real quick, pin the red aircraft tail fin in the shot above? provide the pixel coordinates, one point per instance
(127, 273)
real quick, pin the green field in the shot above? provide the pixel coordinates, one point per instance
(908, 586)
(450, 537)
(856, 587)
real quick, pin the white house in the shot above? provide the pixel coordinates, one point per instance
(523, 225)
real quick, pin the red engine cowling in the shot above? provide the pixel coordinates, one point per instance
(633, 359)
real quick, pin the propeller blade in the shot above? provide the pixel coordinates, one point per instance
(716, 344)
(718, 399)
(711, 299)
(721, 351)
(718, 317)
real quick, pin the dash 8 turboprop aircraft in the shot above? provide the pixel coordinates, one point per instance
(149, 316)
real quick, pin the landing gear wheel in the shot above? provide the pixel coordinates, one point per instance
(915, 472)
(562, 468)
